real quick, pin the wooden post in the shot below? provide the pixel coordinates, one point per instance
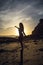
(21, 56)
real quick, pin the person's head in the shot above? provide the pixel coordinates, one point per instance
(21, 26)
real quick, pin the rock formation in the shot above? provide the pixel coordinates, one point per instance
(38, 31)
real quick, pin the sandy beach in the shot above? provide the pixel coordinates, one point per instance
(32, 53)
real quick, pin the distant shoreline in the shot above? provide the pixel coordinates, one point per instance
(15, 39)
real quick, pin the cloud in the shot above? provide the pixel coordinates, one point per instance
(14, 11)
(7, 31)
(12, 4)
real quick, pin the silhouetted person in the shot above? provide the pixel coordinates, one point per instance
(21, 34)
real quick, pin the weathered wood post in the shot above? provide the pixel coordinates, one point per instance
(21, 56)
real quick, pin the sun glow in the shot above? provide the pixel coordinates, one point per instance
(11, 30)
(27, 32)
(17, 32)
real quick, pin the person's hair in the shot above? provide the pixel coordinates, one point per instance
(21, 27)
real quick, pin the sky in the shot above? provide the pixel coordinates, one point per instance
(12, 12)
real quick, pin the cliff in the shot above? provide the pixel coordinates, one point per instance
(38, 31)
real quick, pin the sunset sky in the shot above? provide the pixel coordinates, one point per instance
(12, 12)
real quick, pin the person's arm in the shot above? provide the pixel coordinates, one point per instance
(17, 27)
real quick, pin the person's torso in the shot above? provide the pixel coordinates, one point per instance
(20, 32)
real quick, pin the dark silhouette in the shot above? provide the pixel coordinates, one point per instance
(38, 31)
(21, 34)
